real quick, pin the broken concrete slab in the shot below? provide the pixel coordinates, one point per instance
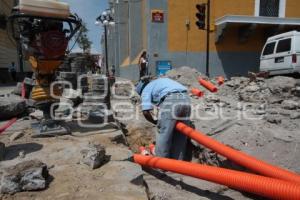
(290, 105)
(16, 136)
(11, 106)
(93, 156)
(274, 119)
(26, 176)
(295, 115)
(280, 84)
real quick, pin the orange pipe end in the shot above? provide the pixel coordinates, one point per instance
(263, 186)
(197, 92)
(220, 80)
(208, 85)
(238, 157)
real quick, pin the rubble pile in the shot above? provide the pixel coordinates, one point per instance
(260, 116)
(185, 75)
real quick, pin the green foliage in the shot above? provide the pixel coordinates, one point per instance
(83, 41)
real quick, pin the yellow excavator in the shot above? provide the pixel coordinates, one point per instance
(43, 29)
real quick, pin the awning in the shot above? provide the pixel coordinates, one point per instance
(247, 24)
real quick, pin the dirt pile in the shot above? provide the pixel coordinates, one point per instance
(185, 75)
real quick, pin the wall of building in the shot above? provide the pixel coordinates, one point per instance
(8, 52)
(179, 40)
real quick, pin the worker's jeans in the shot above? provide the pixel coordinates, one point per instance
(169, 142)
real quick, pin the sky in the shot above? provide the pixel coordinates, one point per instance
(89, 10)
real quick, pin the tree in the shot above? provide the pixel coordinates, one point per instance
(83, 41)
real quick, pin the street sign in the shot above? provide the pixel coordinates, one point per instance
(157, 16)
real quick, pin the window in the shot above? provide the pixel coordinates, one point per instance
(269, 49)
(269, 8)
(284, 45)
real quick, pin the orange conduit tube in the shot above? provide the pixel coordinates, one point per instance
(220, 80)
(238, 157)
(260, 185)
(197, 92)
(208, 85)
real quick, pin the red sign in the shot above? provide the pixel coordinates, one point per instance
(157, 16)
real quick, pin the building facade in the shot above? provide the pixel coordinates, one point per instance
(166, 30)
(8, 49)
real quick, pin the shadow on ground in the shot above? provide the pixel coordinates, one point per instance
(13, 151)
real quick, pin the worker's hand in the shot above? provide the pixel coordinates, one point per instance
(149, 117)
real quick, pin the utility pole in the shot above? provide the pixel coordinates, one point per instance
(207, 38)
(202, 20)
(106, 51)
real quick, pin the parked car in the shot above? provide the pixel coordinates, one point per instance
(281, 54)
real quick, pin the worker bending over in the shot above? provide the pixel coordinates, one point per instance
(174, 104)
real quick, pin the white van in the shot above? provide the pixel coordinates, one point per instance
(281, 54)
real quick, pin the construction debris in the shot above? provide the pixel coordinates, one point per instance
(93, 156)
(26, 176)
(16, 136)
(11, 106)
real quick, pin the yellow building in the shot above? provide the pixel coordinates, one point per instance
(8, 50)
(239, 29)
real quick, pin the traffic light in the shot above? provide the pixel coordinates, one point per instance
(201, 10)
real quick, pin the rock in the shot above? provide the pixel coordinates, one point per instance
(26, 176)
(16, 136)
(260, 112)
(295, 115)
(37, 114)
(2, 151)
(252, 88)
(280, 84)
(93, 156)
(273, 119)
(289, 105)
(296, 91)
(212, 99)
(11, 107)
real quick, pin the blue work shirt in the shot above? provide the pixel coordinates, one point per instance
(157, 89)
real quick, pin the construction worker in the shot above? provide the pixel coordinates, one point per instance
(174, 104)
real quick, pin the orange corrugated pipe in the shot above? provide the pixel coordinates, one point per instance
(197, 92)
(260, 185)
(220, 80)
(238, 157)
(208, 85)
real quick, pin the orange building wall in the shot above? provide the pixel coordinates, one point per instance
(181, 38)
(292, 8)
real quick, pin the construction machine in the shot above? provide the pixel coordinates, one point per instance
(43, 29)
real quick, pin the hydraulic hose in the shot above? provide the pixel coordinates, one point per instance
(255, 184)
(238, 157)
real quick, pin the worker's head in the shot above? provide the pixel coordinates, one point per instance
(140, 86)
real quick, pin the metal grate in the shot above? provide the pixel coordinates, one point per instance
(269, 8)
